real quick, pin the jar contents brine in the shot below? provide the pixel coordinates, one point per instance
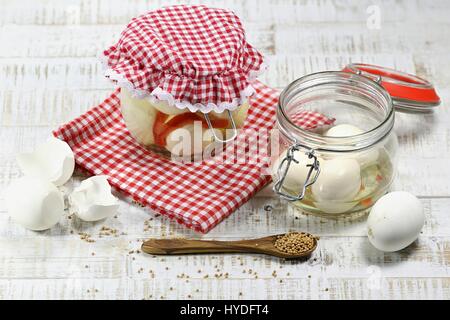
(337, 148)
(346, 165)
(185, 75)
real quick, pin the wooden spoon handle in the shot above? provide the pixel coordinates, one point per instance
(184, 246)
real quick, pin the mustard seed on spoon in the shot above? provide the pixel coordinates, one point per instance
(295, 242)
(290, 245)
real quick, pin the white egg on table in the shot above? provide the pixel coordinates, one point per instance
(34, 203)
(297, 173)
(338, 184)
(395, 221)
(365, 158)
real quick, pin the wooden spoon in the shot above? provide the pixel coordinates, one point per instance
(185, 246)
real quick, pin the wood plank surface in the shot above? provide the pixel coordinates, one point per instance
(49, 74)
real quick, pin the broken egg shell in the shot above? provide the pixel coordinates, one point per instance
(34, 203)
(52, 161)
(395, 221)
(92, 200)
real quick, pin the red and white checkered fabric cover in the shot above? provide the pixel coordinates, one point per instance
(196, 55)
(198, 195)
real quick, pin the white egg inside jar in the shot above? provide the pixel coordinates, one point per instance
(171, 131)
(351, 161)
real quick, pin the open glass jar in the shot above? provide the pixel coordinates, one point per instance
(344, 167)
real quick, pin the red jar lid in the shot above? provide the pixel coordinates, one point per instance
(408, 92)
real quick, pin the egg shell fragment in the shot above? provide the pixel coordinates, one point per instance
(395, 221)
(52, 161)
(92, 200)
(34, 203)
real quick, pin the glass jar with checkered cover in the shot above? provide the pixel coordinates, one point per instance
(186, 74)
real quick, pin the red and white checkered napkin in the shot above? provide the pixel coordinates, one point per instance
(196, 195)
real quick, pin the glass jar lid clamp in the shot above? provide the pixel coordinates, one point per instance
(283, 168)
(233, 127)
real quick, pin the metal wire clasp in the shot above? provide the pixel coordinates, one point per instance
(283, 168)
(377, 79)
(233, 126)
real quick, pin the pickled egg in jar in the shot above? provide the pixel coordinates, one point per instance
(171, 131)
(336, 151)
(352, 160)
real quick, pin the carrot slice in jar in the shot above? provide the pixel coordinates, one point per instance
(159, 127)
(367, 202)
(162, 129)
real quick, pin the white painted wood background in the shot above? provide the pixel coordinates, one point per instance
(49, 74)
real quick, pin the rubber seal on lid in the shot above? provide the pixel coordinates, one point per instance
(408, 92)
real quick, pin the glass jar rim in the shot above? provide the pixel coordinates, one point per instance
(337, 144)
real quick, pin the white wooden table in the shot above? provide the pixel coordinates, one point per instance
(49, 74)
